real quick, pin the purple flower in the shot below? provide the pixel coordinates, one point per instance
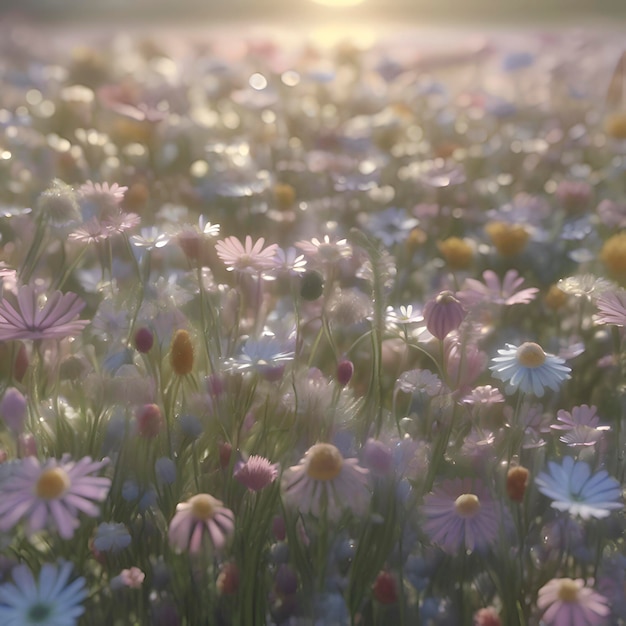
(201, 515)
(443, 314)
(56, 491)
(325, 483)
(256, 473)
(566, 602)
(612, 307)
(34, 317)
(460, 515)
(493, 290)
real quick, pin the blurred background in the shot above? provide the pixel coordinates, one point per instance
(418, 11)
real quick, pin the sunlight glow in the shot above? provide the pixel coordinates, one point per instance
(339, 3)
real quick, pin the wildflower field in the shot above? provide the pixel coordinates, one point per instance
(295, 334)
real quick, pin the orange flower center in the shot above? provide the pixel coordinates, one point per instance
(568, 591)
(203, 506)
(52, 484)
(530, 354)
(324, 462)
(181, 353)
(467, 505)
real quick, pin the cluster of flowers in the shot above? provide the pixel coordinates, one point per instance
(337, 338)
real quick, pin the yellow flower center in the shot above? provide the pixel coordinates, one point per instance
(530, 354)
(52, 484)
(613, 254)
(508, 239)
(457, 252)
(568, 591)
(324, 462)
(467, 505)
(203, 506)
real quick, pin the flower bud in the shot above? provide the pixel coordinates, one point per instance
(385, 588)
(144, 340)
(345, 371)
(312, 285)
(516, 483)
(13, 410)
(443, 314)
(149, 421)
(181, 353)
(228, 579)
(487, 617)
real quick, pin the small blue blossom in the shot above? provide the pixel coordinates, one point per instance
(574, 489)
(165, 470)
(111, 537)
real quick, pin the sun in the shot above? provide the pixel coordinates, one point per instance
(338, 3)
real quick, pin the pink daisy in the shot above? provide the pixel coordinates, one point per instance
(460, 515)
(483, 395)
(493, 290)
(256, 473)
(90, 232)
(249, 257)
(34, 317)
(201, 515)
(324, 482)
(582, 415)
(113, 192)
(612, 307)
(325, 250)
(566, 602)
(53, 492)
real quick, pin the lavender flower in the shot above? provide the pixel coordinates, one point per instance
(53, 492)
(33, 316)
(460, 515)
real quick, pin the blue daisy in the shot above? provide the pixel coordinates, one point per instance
(529, 369)
(574, 489)
(49, 601)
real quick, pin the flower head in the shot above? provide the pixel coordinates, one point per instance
(49, 600)
(460, 514)
(443, 314)
(111, 537)
(246, 257)
(53, 492)
(573, 488)
(613, 255)
(256, 473)
(612, 307)
(508, 239)
(565, 602)
(264, 355)
(325, 250)
(202, 515)
(458, 253)
(33, 316)
(324, 482)
(505, 292)
(181, 353)
(529, 369)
